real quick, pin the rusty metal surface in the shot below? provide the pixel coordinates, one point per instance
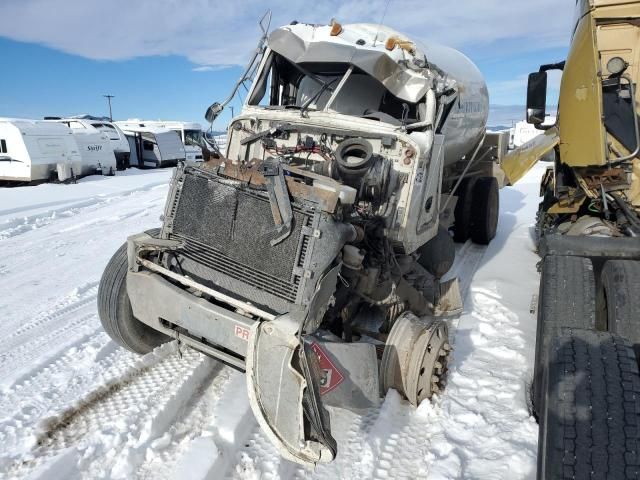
(609, 178)
(249, 172)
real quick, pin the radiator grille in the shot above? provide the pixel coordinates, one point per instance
(229, 230)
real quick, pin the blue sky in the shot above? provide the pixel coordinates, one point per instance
(169, 59)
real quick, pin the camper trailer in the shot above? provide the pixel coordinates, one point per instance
(153, 147)
(33, 150)
(190, 133)
(118, 139)
(119, 142)
(95, 148)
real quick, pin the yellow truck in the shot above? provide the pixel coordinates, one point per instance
(586, 386)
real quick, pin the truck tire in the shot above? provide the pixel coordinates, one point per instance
(484, 210)
(462, 212)
(114, 308)
(618, 300)
(590, 422)
(567, 298)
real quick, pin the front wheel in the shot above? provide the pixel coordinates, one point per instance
(114, 309)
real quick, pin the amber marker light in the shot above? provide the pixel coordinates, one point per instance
(336, 29)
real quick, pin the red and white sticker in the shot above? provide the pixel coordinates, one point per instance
(242, 332)
(331, 376)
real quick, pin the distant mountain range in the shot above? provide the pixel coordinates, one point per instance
(214, 133)
(504, 116)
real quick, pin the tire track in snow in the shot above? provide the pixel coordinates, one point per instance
(17, 226)
(77, 299)
(56, 329)
(486, 390)
(108, 431)
(166, 455)
(58, 384)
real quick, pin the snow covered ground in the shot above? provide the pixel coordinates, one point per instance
(74, 405)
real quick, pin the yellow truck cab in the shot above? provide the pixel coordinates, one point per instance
(586, 387)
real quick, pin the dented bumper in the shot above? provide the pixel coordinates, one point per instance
(168, 308)
(291, 378)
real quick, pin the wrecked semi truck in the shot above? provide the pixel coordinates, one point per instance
(311, 253)
(586, 387)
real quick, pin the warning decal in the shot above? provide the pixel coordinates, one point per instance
(242, 332)
(331, 376)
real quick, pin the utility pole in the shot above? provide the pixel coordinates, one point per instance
(109, 97)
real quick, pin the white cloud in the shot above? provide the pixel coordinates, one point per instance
(503, 92)
(213, 32)
(210, 68)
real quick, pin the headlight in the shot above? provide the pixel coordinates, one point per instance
(616, 65)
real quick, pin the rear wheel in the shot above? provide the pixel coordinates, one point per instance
(590, 418)
(566, 299)
(114, 308)
(619, 301)
(462, 214)
(484, 211)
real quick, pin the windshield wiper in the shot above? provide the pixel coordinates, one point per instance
(325, 86)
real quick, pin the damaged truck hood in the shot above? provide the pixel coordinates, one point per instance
(403, 73)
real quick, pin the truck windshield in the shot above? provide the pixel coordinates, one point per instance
(283, 84)
(193, 137)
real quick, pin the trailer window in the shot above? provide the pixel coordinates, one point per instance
(147, 145)
(108, 129)
(3, 146)
(193, 137)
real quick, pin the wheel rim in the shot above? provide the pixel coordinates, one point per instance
(415, 358)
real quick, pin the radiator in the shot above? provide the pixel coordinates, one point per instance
(226, 231)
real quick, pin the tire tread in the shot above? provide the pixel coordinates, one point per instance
(567, 298)
(114, 308)
(590, 428)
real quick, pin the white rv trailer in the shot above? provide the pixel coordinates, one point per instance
(35, 150)
(118, 139)
(153, 147)
(95, 148)
(190, 134)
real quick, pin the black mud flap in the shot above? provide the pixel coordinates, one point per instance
(283, 386)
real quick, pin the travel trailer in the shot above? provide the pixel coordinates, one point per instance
(35, 150)
(153, 147)
(190, 133)
(117, 137)
(95, 148)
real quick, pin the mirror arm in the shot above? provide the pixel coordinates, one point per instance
(553, 66)
(252, 66)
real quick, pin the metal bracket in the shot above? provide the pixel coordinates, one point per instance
(278, 197)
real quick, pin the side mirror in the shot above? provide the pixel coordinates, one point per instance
(537, 98)
(213, 111)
